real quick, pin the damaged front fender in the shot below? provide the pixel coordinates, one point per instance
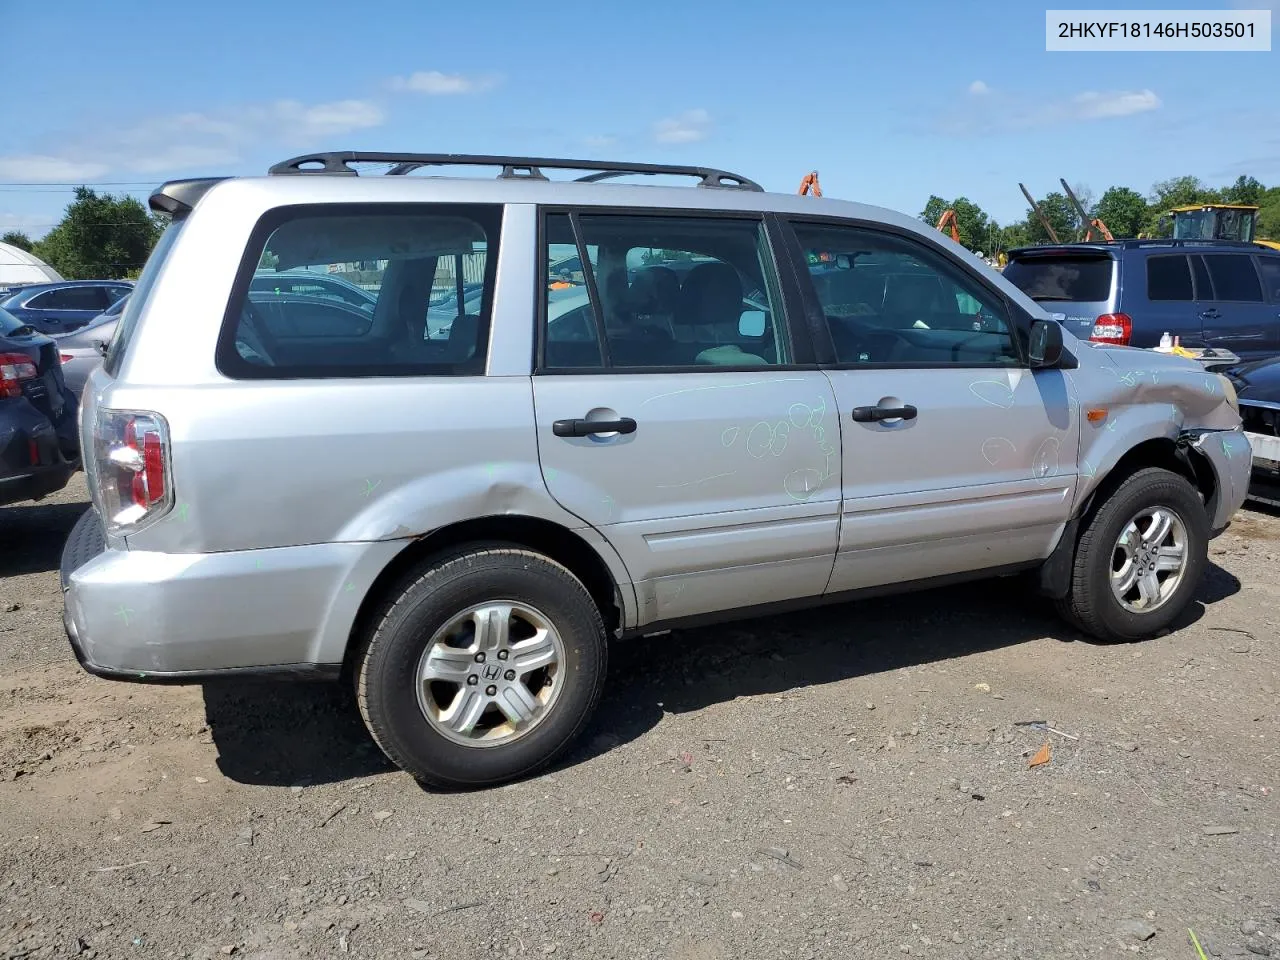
(1229, 455)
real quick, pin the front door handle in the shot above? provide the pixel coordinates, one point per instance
(582, 428)
(876, 414)
(1210, 314)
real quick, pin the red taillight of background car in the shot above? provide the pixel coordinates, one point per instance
(1114, 328)
(14, 368)
(131, 468)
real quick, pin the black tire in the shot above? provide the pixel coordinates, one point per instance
(1091, 605)
(386, 668)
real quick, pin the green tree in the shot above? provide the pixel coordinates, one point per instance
(16, 238)
(1246, 190)
(1268, 225)
(1061, 214)
(1123, 210)
(101, 237)
(976, 229)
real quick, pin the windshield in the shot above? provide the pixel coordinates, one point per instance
(1067, 278)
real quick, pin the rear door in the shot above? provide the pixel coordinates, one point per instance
(1076, 285)
(681, 416)
(956, 456)
(1238, 318)
(1161, 299)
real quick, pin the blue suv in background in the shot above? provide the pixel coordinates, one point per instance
(64, 306)
(1218, 294)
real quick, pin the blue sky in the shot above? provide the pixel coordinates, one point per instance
(889, 101)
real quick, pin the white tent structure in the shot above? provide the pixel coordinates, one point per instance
(18, 266)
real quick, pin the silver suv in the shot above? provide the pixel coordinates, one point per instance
(569, 412)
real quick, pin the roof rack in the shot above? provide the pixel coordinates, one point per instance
(513, 168)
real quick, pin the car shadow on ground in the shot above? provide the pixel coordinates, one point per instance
(288, 734)
(32, 535)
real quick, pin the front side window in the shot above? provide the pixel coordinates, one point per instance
(1169, 278)
(890, 301)
(660, 292)
(1234, 277)
(368, 290)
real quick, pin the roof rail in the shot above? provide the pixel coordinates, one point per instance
(513, 168)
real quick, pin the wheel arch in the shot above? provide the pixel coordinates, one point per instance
(609, 586)
(1163, 452)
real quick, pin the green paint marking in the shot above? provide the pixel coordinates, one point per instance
(370, 486)
(123, 613)
(182, 511)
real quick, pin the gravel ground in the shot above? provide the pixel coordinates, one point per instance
(853, 782)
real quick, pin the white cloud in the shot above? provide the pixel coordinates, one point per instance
(995, 112)
(436, 84)
(689, 127)
(195, 140)
(1124, 103)
(32, 167)
(978, 88)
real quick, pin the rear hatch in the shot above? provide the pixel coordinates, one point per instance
(1074, 284)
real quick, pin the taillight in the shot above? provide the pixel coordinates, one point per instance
(14, 368)
(1114, 328)
(131, 474)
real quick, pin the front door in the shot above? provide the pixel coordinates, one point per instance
(956, 456)
(672, 417)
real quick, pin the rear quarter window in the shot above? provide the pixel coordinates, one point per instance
(1234, 277)
(377, 295)
(1066, 278)
(1269, 268)
(1169, 278)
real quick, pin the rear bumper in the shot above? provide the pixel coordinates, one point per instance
(1229, 454)
(188, 618)
(57, 455)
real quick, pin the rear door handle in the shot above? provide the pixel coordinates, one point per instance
(582, 428)
(875, 414)
(1210, 314)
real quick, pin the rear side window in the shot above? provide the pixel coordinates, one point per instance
(71, 298)
(1234, 277)
(364, 290)
(1072, 279)
(1169, 278)
(141, 291)
(1269, 267)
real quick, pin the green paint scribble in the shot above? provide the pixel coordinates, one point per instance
(182, 511)
(370, 486)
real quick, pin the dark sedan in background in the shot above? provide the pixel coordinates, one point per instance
(1258, 386)
(39, 447)
(65, 306)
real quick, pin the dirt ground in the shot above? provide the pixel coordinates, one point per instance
(852, 782)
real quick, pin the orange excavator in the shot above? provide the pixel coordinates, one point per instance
(1091, 223)
(810, 184)
(948, 219)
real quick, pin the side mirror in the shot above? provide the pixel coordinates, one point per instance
(1046, 343)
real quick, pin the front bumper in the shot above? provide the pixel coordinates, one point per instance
(187, 618)
(1229, 454)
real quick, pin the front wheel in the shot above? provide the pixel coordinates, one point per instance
(484, 668)
(1139, 558)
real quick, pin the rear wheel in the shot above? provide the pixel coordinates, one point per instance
(484, 668)
(1139, 558)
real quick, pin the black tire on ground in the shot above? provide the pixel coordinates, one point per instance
(386, 668)
(1091, 604)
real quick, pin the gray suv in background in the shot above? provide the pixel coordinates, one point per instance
(740, 403)
(1211, 293)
